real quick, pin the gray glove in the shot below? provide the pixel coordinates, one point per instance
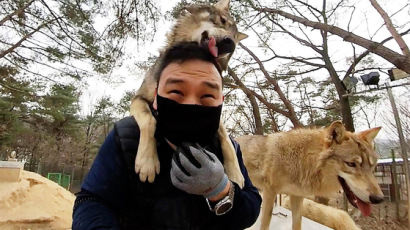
(202, 174)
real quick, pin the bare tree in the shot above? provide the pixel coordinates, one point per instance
(320, 57)
(400, 61)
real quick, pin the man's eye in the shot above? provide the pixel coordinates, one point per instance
(208, 96)
(175, 92)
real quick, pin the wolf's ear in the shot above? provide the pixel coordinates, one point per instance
(240, 36)
(336, 132)
(369, 135)
(222, 5)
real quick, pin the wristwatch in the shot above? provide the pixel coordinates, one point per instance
(225, 205)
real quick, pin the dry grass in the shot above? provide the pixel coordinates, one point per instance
(383, 216)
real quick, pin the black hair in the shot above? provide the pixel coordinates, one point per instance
(182, 52)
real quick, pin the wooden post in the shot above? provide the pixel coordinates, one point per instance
(280, 199)
(403, 147)
(395, 187)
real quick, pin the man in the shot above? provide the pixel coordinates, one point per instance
(192, 191)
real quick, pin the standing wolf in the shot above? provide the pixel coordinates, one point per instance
(211, 26)
(312, 162)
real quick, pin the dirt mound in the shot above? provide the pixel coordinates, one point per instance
(34, 203)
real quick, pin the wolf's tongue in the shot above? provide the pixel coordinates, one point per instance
(212, 47)
(363, 207)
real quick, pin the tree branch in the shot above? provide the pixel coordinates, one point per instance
(402, 44)
(400, 61)
(292, 115)
(18, 11)
(9, 50)
(252, 100)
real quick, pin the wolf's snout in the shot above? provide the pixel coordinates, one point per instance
(218, 46)
(226, 45)
(376, 199)
(204, 36)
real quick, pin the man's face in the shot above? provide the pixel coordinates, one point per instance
(191, 82)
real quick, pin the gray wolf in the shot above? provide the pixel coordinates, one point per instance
(210, 25)
(312, 162)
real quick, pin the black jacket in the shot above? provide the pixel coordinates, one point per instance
(112, 196)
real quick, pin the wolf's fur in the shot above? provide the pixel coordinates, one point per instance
(217, 22)
(308, 162)
(331, 217)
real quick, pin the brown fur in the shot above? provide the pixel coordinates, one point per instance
(332, 217)
(217, 22)
(307, 162)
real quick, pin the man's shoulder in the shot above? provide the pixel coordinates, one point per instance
(127, 134)
(128, 126)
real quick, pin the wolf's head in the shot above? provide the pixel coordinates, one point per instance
(209, 25)
(353, 158)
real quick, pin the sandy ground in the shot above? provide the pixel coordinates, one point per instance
(34, 203)
(38, 203)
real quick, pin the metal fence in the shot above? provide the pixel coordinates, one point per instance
(62, 179)
(68, 176)
(392, 180)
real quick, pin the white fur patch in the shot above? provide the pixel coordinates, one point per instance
(205, 26)
(204, 14)
(359, 160)
(372, 160)
(358, 187)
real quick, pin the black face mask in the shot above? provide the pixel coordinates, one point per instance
(187, 123)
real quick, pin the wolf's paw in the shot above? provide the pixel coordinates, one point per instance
(147, 163)
(231, 164)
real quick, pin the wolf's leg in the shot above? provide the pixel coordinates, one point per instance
(146, 162)
(231, 164)
(268, 199)
(296, 207)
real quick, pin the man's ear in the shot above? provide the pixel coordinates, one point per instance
(154, 104)
(369, 135)
(335, 132)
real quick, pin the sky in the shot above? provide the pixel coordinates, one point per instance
(127, 77)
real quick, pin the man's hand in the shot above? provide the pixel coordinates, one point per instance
(207, 178)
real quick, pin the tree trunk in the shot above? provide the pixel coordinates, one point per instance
(344, 105)
(346, 113)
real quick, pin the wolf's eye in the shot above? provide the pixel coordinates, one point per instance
(351, 164)
(223, 21)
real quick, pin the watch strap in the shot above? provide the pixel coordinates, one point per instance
(228, 198)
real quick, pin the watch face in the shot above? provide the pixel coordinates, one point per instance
(223, 208)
